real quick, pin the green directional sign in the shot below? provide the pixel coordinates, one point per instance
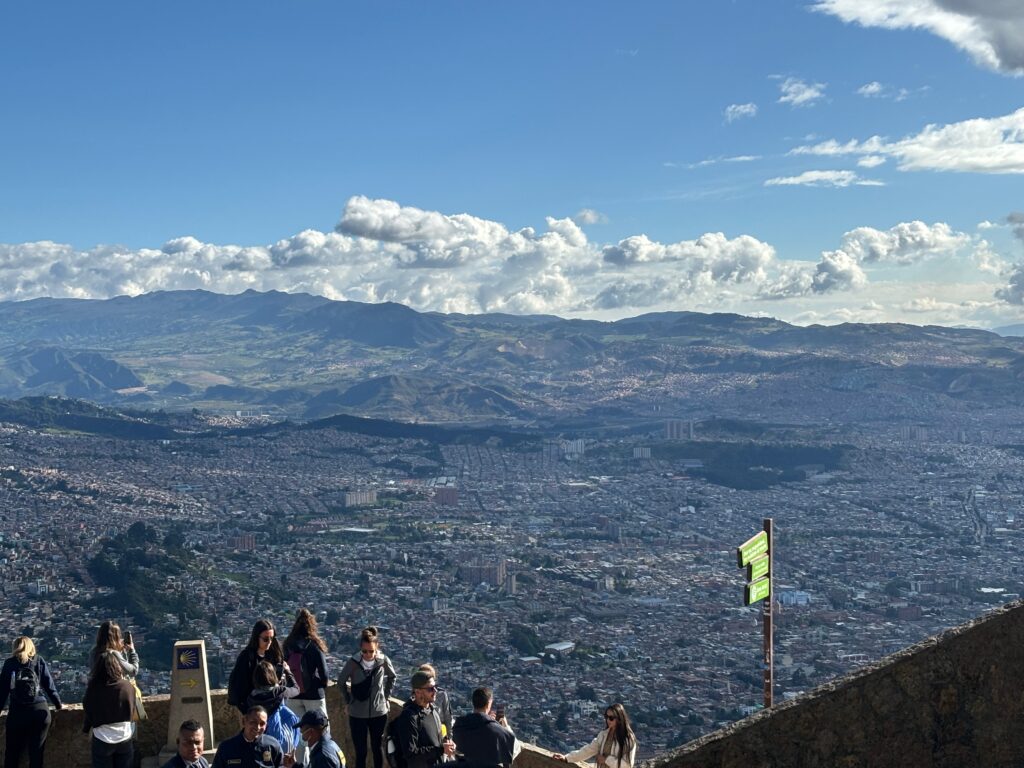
(755, 546)
(756, 590)
(757, 568)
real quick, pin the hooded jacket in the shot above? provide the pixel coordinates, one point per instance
(484, 742)
(380, 691)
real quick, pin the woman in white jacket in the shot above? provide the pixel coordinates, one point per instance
(614, 747)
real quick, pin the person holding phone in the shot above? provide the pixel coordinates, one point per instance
(109, 640)
(484, 741)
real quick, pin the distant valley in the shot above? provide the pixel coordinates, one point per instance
(306, 357)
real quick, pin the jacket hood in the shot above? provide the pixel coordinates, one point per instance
(474, 721)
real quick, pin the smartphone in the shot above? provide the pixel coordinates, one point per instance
(499, 711)
(127, 637)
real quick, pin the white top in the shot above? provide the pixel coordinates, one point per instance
(113, 733)
(593, 749)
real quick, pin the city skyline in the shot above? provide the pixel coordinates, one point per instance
(817, 162)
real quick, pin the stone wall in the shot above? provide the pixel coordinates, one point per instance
(68, 747)
(953, 701)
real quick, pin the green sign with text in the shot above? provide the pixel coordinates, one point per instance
(757, 568)
(756, 590)
(755, 546)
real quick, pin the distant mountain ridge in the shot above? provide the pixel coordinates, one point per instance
(307, 356)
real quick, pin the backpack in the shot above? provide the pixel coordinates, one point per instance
(25, 685)
(392, 754)
(361, 691)
(295, 664)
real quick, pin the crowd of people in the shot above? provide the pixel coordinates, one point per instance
(279, 690)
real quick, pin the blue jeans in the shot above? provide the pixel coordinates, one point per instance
(119, 755)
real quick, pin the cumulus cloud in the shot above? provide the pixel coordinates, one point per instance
(990, 31)
(383, 251)
(979, 145)
(871, 89)
(843, 269)
(1013, 291)
(823, 179)
(739, 111)
(586, 216)
(798, 93)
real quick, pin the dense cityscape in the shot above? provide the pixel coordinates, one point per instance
(564, 573)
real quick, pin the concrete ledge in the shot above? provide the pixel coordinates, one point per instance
(953, 701)
(68, 747)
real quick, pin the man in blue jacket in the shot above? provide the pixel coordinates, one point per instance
(250, 747)
(190, 747)
(323, 753)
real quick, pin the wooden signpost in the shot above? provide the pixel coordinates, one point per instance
(756, 555)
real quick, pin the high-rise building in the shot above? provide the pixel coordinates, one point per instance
(360, 498)
(493, 572)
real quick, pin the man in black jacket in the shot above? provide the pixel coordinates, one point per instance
(417, 730)
(484, 742)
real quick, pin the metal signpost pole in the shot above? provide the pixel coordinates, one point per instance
(767, 612)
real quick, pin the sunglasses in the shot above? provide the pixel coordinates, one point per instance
(610, 717)
(369, 652)
(431, 689)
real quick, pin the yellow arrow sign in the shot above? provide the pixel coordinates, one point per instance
(190, 683)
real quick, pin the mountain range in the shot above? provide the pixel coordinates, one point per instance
(309, 357)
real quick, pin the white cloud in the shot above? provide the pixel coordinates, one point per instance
(798, 93)
(823, 179)
(1013, 291)
(738, 111)
(871, 89)
(843, 269)
(461, 263)
(980, 145)
(586, 216)
(716, 160)
(871, 161)
(905, 243)
(990, 31)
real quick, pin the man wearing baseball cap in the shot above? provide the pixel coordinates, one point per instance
(323, 753)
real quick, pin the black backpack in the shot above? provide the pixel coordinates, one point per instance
(392, 753)
(25, 685)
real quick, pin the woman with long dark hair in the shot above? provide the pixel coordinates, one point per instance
(25, 681)
(366, 682)
(614, 747)
(263, 645)
(270, 692)
(108, 703)
(110, 640)
(304, 652)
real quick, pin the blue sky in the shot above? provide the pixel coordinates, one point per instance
(146, 146)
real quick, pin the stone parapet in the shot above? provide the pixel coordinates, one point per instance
(68, 747)
(953, 701)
